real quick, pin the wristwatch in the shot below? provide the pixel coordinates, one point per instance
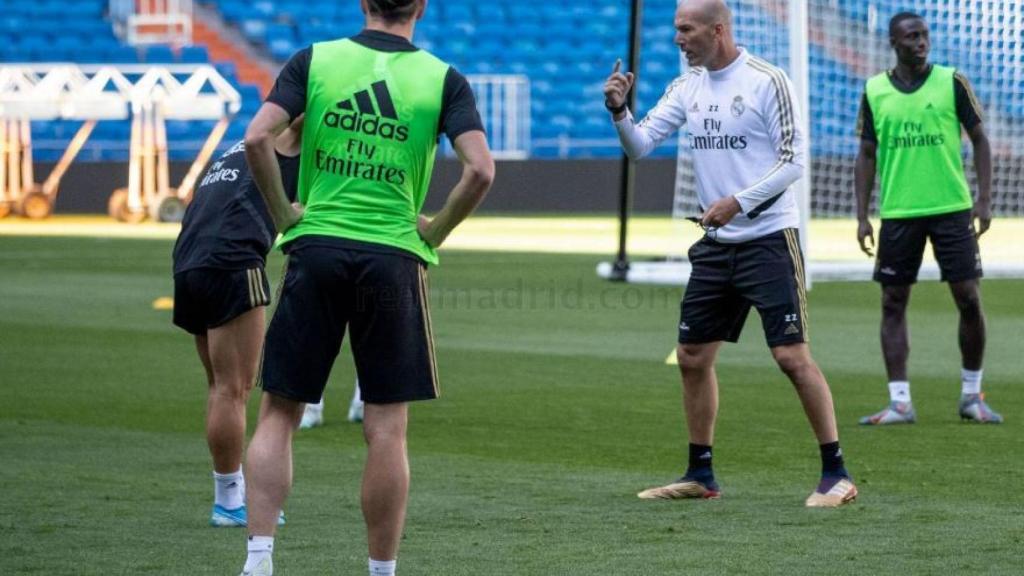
(615, 109)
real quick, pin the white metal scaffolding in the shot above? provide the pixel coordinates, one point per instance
(96, 93)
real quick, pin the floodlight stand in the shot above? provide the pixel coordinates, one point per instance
(91, 93)
(15, 163)
(188, 183)
(628, 184)
(157, 97)
(37, 202)
(47, 92)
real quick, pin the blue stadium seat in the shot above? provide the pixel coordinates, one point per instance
(228, 70)
(194, 55)
(158, 54)
(10, 24)
(178, 129)
(255, 30)
(114, 154)
(251, 98)
(14, 53)
(181, 154)
(112, 130)
(122, 55)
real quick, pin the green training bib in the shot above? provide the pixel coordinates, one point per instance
(919, 147)
(368, 144)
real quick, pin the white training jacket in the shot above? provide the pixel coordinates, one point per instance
(744, 133)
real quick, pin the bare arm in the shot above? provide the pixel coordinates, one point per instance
(477, 176)
(289, 142)
(864, 183)
(983, 168)
(260, 138)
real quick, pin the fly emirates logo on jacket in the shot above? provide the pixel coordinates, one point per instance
(711, 132)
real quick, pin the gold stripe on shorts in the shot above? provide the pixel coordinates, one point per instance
(428, 327)
(261, 278)
(793, 243)
(252, 293)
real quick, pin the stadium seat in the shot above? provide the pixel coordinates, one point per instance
(194, 55)
(122, 55)
(14, 53)
(158, 54)
(564, 47)
(251, 98)
(255, 30)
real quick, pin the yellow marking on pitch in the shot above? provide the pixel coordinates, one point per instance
(163, 303)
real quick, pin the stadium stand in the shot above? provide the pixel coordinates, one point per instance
(78, 31)
(565, 48)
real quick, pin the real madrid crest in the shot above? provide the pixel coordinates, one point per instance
(738, 107)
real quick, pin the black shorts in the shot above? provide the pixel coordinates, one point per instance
(901, 248)
(206, 298)
(382, 300)
(727, 279)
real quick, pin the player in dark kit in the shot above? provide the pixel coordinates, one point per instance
(358, 250)
(910, 129)
(220, 292)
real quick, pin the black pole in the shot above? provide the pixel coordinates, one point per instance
(628, 185)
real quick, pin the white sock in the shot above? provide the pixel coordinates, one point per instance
(899, 391)
(357, 397)
(229, 490)
(970, 381)
(260, 549)
(382, 567)
(318, 407)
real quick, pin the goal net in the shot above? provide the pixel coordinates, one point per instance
(830, 48)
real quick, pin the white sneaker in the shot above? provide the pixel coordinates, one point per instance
(355, 411)
(312, 417)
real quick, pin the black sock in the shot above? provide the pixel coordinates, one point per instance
(832, 460)
(700, 462)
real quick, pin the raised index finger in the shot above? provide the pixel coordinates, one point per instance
(618, 65)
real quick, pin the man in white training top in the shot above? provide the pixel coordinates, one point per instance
(747, 151)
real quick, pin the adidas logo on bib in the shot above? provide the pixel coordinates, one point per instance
(370, 112)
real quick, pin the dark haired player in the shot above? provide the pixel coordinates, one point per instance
(220, 292)
(358, 252)
(909, 126)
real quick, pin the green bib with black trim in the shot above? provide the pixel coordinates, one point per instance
(919, 149)
(368, 144)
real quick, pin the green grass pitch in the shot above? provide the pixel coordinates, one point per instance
(557, 408)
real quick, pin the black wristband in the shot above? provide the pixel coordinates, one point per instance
(615, 110)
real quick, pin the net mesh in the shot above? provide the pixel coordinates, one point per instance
(984, 39)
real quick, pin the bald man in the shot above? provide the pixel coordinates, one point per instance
(747, 151)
